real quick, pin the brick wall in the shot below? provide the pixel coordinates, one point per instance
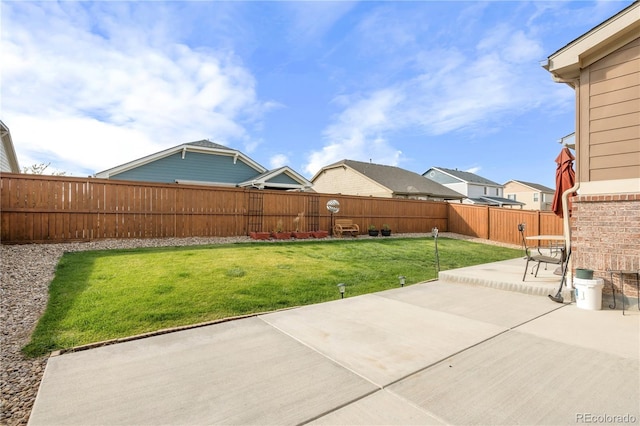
(605, 234)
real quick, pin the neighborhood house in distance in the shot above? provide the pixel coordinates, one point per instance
(533, 195)
(350, 177)
(476, 189)
(206, 163)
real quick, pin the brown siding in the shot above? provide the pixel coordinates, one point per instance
(609, 144)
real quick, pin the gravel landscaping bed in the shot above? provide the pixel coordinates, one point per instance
(26, 272)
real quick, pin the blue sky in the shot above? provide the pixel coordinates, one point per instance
(87, 86)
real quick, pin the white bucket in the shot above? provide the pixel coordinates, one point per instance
(589, 293)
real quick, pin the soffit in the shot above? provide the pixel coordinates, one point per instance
(595, 44)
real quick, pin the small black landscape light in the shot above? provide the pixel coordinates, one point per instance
(341, 288)
(402, 280)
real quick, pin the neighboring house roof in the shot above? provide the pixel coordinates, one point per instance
(399, 181)
(495, 201)
(534, 186)
(202, 146)
(466, 177)
(566, 62)
(210, 164)
(9, 159)
(283, 177)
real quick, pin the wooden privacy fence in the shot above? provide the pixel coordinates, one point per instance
(37, 208)
(501, 224)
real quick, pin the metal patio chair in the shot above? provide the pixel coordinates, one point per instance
(538, 258)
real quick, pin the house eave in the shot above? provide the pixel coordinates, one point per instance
(184, 149)
(262, 181)
(566, 63)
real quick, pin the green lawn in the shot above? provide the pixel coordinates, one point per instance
(101, 295)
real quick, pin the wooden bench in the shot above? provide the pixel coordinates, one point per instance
(345, 225)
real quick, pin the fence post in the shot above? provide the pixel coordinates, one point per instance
(539, 221)
(488, 237)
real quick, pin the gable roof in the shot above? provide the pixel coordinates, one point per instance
(466, 177)
(253, 174)
(269, 179)
(399, 181)
(534, 186)
(203, 146)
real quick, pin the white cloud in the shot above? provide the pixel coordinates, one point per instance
(383, 30)
(452, 90)
(357, 132)
(312, 19)
(278, 160)
(85, 87)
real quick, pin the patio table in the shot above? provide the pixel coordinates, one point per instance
(554, 246)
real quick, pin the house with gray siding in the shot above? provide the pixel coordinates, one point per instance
(206, 163)
(9, 162)
(476, 189)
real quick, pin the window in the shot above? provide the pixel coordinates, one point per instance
(512, 197)
(486, 190)
(497, 192)
(536, 196)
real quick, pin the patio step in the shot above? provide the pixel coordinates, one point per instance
(507, 275)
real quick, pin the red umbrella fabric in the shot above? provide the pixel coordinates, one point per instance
(565, 179)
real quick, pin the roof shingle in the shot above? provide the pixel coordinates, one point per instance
(401, 181)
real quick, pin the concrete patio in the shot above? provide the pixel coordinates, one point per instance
(460, 350)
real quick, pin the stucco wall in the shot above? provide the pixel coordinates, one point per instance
(343, 180)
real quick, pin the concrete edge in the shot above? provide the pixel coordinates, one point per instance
(526, 287)
(161, 332)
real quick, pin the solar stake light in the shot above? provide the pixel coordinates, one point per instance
(402, 280)
(341, 288)
(434, 232)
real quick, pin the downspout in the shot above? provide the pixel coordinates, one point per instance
(565, 218)
(575, 83)
(567, 226)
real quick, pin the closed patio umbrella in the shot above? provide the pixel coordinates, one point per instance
(565, 179)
